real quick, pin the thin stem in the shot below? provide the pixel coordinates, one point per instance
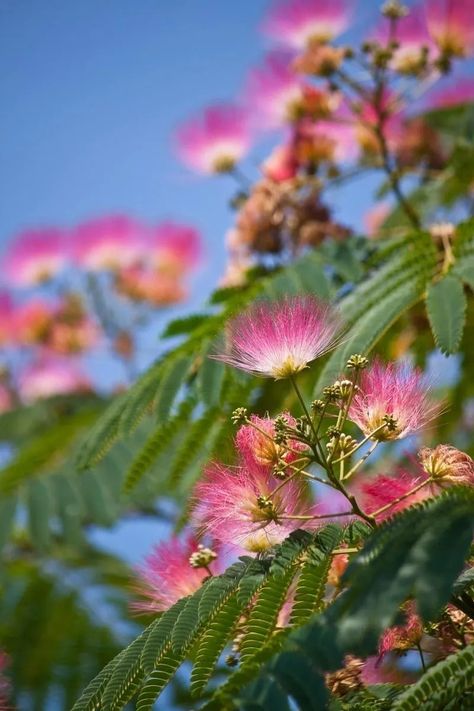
(361, 460)
(359, 444)
(303, 404)
(422, 658)
(401, 498)
(312, 518)
(342, 551)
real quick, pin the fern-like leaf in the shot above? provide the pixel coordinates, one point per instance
(446, 304)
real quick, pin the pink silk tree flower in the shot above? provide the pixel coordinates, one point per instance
(215, 140)
(277, 339)
(34, 257)
(141, 284)
(447, 465)
(275, 93)
(450, 24)
(259, 451)
(109, 243)
(236, 507)
(174, 248)
(400, 638)
(383, 490)
(33, 320)
(281, 165)
(297, 23)
(50, 376)
(396, 394)
(168, 574)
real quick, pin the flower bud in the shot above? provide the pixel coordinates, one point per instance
(357, 362)
(239, 416)
(394, 10)
(202, 557)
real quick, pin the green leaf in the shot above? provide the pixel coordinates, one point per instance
(446, 305)
(211, 377)
(184, 325)
(445, 682)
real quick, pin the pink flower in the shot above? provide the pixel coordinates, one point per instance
(281, 164)
(413, 40)
(7, 319)
(275, 92)
(460, 93)
(237, 508)
(167, 575)
(51, 376)
(109, 243)
(394, 391)
(377, 670)
(174, 248)
(74, 338)
(375, 217)
(296, 23)
(383, 490)
(33, 320)
(214, 141)
(258, 451)
(35, 256)
(141, 284)
(446, 464)
(6, 400)
(278, 339)
(450, 25)
(402, 637)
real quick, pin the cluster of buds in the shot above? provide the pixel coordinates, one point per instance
(202, 557)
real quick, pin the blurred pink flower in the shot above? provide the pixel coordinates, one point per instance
(402, 637)
(237, 508)
(7, 319)
(167, 575)
(6, 399)
(67, 339)
(174, 247)
(377, 670)
(34, 256)
(375, 217)
(108, 243)
(383, 490)
(142, 284)
(274, 92)
(50, 376)
(277, 339)
(450, 24)
(214, 141)
(281, 164)
(296, 23)
(452, 95)
(33, 320)
(393, 390)
(412, 38)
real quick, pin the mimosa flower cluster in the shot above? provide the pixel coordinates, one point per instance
(334, 110)
(72, 292)
(301, 469)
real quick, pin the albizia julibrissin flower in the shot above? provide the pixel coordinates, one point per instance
(382, 490)
(394, 391)
(296, 23)
(109, 243)
(35, 256)
(446, 464)
(258, 450)
(236, 507)
(167, 575)
(450, 25)
(174, 248)
(214, 141)
(277, 339)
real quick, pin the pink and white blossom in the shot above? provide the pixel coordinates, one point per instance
(275, 93)
(35, 256)
(230, 507)
(277, 339)
(215, 140)
(257, 449)
(166, 575)
(50, 376)
(396, 391)
(297, 23)
(447, 465)
(382, 490)
(450, 25)
(109, 243)
(174, 247)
